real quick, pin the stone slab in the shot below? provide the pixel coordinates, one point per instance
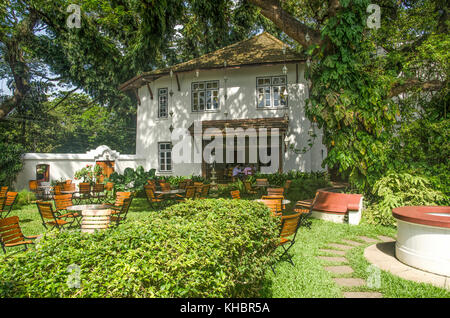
(382, 255)
(362, 295)
(340, 246)
(350, 282)
(352, 242)
(342, 269)
(332, 259)
(342, 253)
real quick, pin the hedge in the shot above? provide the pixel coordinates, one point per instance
(202, 248)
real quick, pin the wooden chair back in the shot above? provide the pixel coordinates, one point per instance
(94, 220)
(98, 188)
(109, 186)
(69, 186)
(287, 185)
(205, 190)
(85, 188)
(274, 205)
(275, 191)
(120, 196)
(62, 201)
(10, 198)
(198, 184)
(262, 182)
(57, 190)
(7, 204)
(150, 192)
(68, 182)
(33, 185)
(3, 191)
(122, 215)
(249, 188)
(11, 233)
(48, 215)
(151, 182)
(182, 185)
(236, 194)
(289, 225)
(165, 186)
(190, 192)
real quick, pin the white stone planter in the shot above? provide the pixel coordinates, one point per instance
(424, 247)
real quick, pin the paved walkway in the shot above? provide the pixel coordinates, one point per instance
(335, 254)
(383, 256)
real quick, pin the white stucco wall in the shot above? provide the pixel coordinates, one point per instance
(240, 104)
(65, 165)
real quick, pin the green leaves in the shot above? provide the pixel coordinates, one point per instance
(202, 248)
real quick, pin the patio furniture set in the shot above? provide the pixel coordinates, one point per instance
(87, 210)
(161, 195)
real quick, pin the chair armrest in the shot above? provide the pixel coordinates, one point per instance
(31, 237)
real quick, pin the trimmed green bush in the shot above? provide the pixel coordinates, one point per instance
(202, 248)
(399, 189)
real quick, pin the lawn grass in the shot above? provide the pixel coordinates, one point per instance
(307, 278)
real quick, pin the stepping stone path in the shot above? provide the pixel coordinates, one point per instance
(339, 250)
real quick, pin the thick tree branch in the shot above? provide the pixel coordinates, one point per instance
(415, 84)
(272, 10)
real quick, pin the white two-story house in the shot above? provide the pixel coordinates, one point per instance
(189, 117)
(250, 85)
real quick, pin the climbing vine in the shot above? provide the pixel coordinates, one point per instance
(348, 97)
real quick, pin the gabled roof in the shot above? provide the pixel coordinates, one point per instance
(260, 49)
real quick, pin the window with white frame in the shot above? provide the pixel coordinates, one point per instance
(165, 156)
(162, 103)
(205, 96)
(271, 91)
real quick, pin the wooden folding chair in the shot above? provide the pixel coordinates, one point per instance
(236, 194)
(275, 191)
(182, 185)
(62, 202)
(57, 190)
(189, 194)
(288, 233)
(249, 189)
(165, 186)
(84, 192)
(275, 197)
(287, 185)
(50, 217)
(95, 220)
(98, 192)
(3, 191)
(7, 204)
(121, 215)
(11, 234)
(205, 191)
(274, 205)
(152, 198)
(305, 207)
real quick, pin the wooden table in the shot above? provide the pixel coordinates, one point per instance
(83, 207)
(175, 191)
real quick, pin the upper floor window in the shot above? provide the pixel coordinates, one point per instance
(162, 103)
(205, 96)
(270, 91)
